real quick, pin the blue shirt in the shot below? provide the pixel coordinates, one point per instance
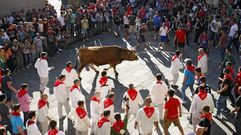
(157, 21)
(190, 77)
(16, 121)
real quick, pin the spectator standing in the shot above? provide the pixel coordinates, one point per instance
(132, 28)
(80, 119)
(215, 26)
(172, 113)
(233, 35)
(16, 120)
(163, 35)
(32, 128)
(17, 48)
(51, 40)
(150, 30)
(27, 53)
(38, 42)
(126, 25)
(85, 27)
(43, 70)
(157, 24)
(176, 65)
(204, 41)
(4, 113)
(189, 78)
(24, 100)
(222, 43)
(180, 39)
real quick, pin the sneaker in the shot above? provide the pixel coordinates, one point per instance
(60, 50)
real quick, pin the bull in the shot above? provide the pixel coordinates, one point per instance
(102, 55)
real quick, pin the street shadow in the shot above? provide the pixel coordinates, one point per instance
(216, 129)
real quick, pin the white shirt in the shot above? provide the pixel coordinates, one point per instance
(145, 123)
(215, 26)
(79, 124)
(70, 77)
(59, 133)
(197, 104)
(203, 64)
(61, 20)
(76, 95)
(176, 65)
(111, 108)
(104, 129)
(133, 104)
(126, 20)
(104, 90)
(233, 30)
(94, 110)
(33, 129)
(158, 93)
(42, 68)
(60, 93)
(43, 113)
(41, 27)
(163, 31)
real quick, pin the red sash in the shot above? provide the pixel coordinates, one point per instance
(174, 57)
(43, 58)
(118, 125)
(149, 111)
(159, 82)
(202, 94)
(81, 112)
(132, 94)
(207, 116)
(102, 121)
(30, 122)
(41, 103)
(53, 131)
(94, 98)
(199, 57)
(229, 77)
(107, 102)
(68, 69)
(14, 113)
(21, 93)
(191, 68)
(57, 83)
(74, 87)
(103, 80)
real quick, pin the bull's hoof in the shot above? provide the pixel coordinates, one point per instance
(97, 72)
(80, 78)
(116, 73)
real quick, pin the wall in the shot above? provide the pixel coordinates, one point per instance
(6, 6)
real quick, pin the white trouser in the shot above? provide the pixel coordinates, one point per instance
(44, 127)
(77, 132)
(43, 83)
(175, 77)
(195, 121)
(60, 108)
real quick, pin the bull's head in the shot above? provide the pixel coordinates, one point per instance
(132, 55)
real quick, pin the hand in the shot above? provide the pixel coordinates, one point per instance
(219, 92)
(180, 115)
(51, 68)
(157, 128)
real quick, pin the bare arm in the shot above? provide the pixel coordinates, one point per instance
(9, 85)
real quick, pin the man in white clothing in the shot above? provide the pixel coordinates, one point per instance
(61, 95)
(75, 93)
(79, 116)
(95, 110)
(146, 117)
(201, 99)
(104, 124)
(176, 65)
(43, 70)
(108, 104)
(202, 60)
(163, 34)
(31, 126)
(134, 99)
(43, 113)
(70, 75)
(104, 85)
(53, 129)
(158, 94)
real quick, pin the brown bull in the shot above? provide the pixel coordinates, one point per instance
(98, 56)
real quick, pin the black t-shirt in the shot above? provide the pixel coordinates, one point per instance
(132, 19)
(205, 123)
(238, 103)
(207, 89)
(226, 82)
(5, 88)
(150, 25)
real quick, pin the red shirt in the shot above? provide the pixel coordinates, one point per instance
(172, 108)
(180, 34)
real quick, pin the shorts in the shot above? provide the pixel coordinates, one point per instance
(126, 26)
(180, 45)
(9, 97)
(168, 123)
(163, 38)
(142, 39)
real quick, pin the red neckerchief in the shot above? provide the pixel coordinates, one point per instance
(57, 83)
(159, 82)
(81, 112)
(68, 69)
(101, 121)
(132, 94)
(191, 68)
(44, 58)
(103, 81)
(21, 93)
(199, 57)
(30, 123)
(118, 125)
(149, 111)
(202, 94)
(53, 131)
(74, 87)
(229, 77)
(14, 113)
(107, 102)
(199, 76)
(207, 116)
(41, 103)
(230, 70)
(174, 57)
(94, 98)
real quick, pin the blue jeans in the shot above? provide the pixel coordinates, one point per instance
(221, 103)
(184, 87)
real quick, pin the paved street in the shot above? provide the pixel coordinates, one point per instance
(141, 73)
